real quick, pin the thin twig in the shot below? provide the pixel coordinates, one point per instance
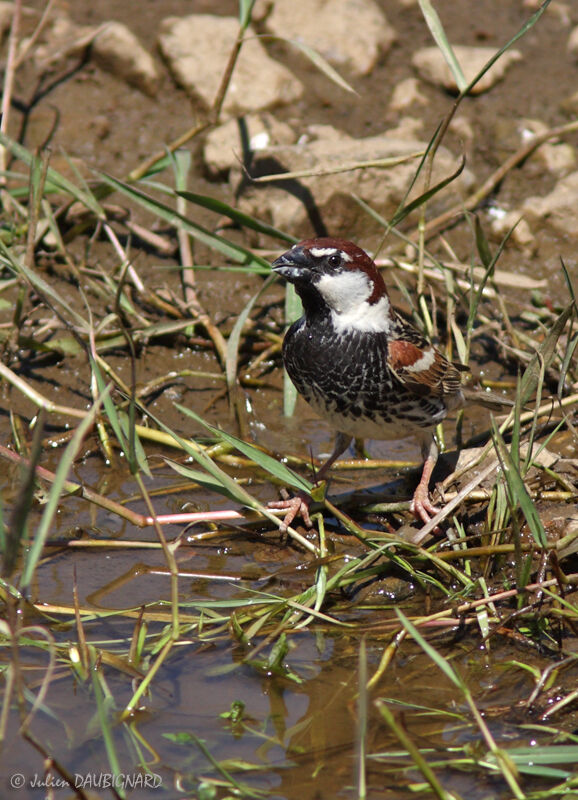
(8, 87)
(441, 222)
(212, 118)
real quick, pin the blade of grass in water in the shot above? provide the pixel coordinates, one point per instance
(121, 425)
(204, 480)
(45, 526)
(18, 532)
(518, 493)
(543, 358)
(42, 286)
(263, 460)
(507, 769)
(362, 721)
(105, 710)
(222, 478)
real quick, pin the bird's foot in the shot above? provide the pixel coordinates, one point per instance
(297, 506)
(421, 506)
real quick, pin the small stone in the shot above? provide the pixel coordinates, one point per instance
(463, 128)
(64, 38)
(350, 33)
(113, 47)
(117, 50)
(197, 50)
(557, 157)
(572, 45)
(226, 145)
(557, 209)
(570, 104)
(101, 125)
(521, 234)
(408, 128)
(406, 94)
(432, 66)
(329, 192)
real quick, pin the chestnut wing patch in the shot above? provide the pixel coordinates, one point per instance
(423, 370)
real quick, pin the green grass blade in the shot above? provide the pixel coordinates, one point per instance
(522, 32)
(402, 213)
(543, 358)
(489, 263)
(413, 752)
(317, 60)
(17, 532)
(3, 531)
(265, 461)
(293, 310)
(228, 483)
(244, 220)
(43, 288)
(439, 35)
(104, 710)
(211, 484)
(226, 248)
(54, 178)
(121, 424)
(518, 492)
(538, 761)
(245, 11)
(45, 526)
(362, 722)
(438, 659)
(232, 352)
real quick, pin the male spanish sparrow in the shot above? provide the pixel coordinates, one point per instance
(360, 365)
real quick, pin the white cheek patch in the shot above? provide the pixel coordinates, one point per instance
(347, 295)
(343, 291)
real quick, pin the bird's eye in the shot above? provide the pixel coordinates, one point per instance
(334, 260)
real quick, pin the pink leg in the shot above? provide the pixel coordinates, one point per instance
(421, 506)
(298, 506)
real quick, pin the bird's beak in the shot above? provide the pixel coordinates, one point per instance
(292, 266)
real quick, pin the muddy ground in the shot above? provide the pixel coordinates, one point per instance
(96, 121)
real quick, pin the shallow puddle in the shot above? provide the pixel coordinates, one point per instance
(271, 716)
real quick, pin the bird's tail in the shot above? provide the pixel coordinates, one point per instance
(491, 400)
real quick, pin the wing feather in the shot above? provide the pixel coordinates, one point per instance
(423, 369)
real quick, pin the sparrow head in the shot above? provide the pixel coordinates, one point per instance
(336, 276)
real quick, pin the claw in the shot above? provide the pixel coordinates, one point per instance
(421, 506)
(297, 506)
